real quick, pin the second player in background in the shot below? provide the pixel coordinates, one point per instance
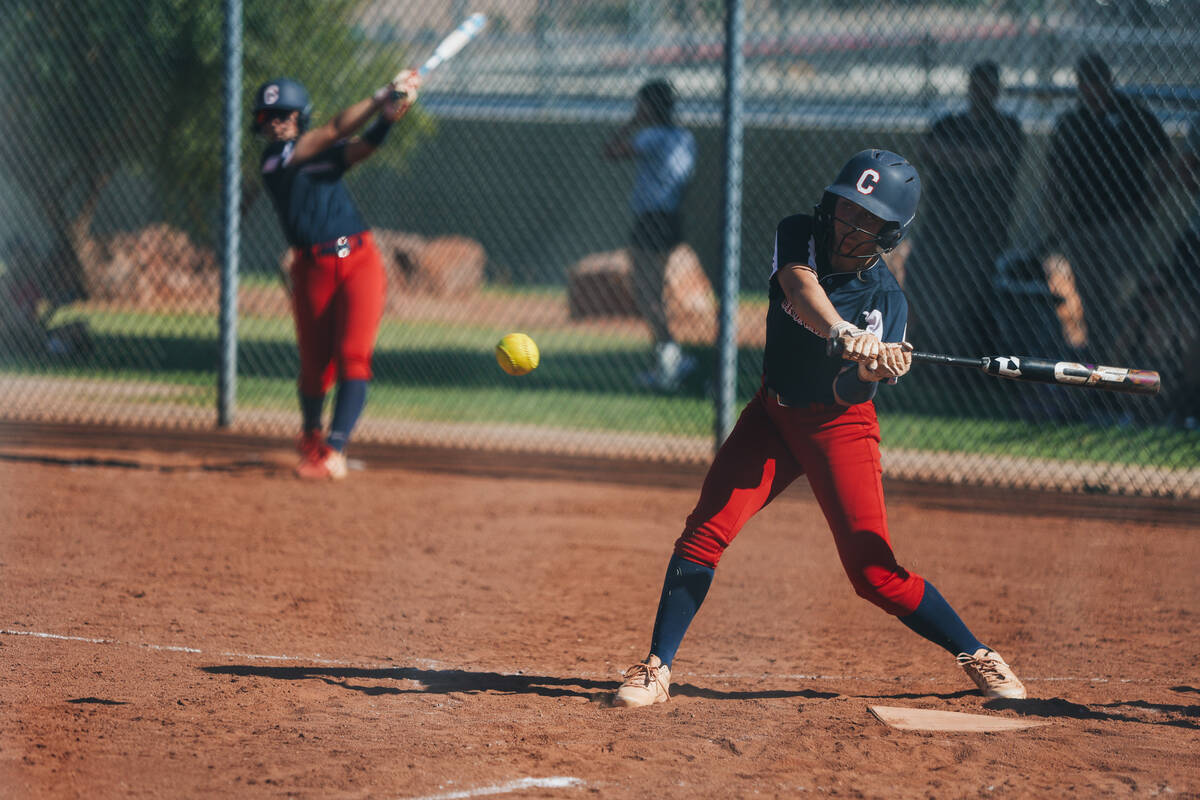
(665, 156)
(338, 281)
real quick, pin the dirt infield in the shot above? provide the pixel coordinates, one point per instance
(195, 623)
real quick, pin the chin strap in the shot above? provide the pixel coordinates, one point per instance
(859, 273)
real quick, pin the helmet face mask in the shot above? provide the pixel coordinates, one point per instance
(854, 232)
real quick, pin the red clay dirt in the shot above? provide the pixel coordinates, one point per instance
(197, 623)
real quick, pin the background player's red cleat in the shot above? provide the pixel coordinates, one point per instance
(309, 444)
(324, 464)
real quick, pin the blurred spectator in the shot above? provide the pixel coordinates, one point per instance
(21, 295)
(1107, 155)
(665, 155)
(33, 287)
(1165, 334)
(971, 160)
(1184, 270)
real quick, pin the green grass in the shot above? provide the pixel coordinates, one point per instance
(1145, 446)
(443, 371)
(393, 335)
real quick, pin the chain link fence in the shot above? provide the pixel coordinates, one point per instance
(1055, 222)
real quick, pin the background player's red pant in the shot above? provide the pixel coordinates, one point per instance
(838, 449)
(337, 304)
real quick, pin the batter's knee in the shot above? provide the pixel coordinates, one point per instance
(894, 589)
(700, 546)
(316, 381)
(355, 367)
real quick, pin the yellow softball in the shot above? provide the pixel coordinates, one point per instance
(517, 354)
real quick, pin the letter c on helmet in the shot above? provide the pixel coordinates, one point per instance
(867, 181)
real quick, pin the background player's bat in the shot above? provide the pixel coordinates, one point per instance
(1065, 373)
(456, 40)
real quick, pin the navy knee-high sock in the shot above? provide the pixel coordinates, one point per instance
(351, 397)
(310, 409)
(937, 621)
(683, 591)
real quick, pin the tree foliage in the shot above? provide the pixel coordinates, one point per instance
(95, 87)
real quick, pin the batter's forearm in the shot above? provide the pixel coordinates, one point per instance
(349, 120)
(343, 124)
(808, 300)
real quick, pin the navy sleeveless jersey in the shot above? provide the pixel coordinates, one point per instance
(313, 203)
(794, 363)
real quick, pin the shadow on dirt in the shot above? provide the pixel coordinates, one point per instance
(434, 681)
(689, 690)
(920, 695)
(429, 681)
(1058, 707)
(99, 701)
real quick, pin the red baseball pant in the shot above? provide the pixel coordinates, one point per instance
(838, 449)
(337, 303)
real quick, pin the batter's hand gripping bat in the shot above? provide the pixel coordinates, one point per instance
(456, 40)
(1042, 370)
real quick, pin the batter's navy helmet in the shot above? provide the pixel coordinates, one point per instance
(281, 94)
(886, 185)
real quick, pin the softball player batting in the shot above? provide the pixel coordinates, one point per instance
(337, 274)
(814, 416)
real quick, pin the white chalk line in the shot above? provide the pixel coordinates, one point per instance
(429, 664)
(505, 788)
(556, 782)
(929, 679)
(167, 648)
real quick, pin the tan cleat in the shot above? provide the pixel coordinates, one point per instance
(992, 675)
(645, 684)
(325, 464)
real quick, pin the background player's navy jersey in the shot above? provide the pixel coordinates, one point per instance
(794, 363)
(312, 202)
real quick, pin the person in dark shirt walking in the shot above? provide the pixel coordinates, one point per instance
(1106, 162)
(814, 416)
(970, 161)
(337, 276)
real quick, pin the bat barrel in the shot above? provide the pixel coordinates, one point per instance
(455, 41)
(1071, 373)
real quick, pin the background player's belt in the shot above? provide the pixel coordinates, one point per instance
(776, 397)
(339, 247)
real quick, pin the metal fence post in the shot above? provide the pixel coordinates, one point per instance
(230, 233)
(731, 251)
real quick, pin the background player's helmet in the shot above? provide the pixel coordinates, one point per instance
(659, 97)
(883, 183)
(281, 94)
